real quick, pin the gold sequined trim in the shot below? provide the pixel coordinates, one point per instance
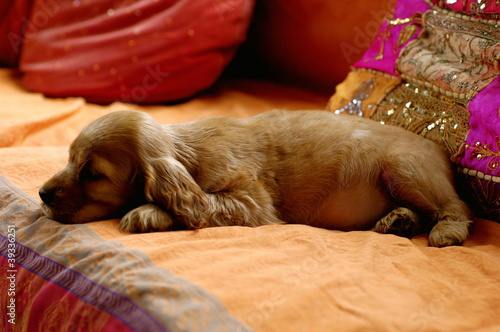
(463, 97)
(476, 6)
(438, 118)
(411, 25)
(480, 175)
(374, 72)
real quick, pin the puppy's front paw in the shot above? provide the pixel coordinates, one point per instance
(146, 218)
(449, 232)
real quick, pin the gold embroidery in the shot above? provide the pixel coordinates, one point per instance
(438, 118)
(361, 91)
(414, 23)
(456, 56)
(482, 151)
(407, 33)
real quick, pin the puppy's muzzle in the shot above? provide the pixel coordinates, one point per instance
(47, 195)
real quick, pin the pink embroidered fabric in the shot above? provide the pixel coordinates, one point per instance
(394, 34)
(482, 150)
(447, 56)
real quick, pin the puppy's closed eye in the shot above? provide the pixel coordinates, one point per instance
(90, 173)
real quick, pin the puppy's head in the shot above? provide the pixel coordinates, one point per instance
(103, 176)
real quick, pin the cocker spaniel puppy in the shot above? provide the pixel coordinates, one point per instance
(311, 167)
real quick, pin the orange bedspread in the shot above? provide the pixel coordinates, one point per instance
(280, 277)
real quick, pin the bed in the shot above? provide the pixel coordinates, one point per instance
(95, 277)
(273, 278)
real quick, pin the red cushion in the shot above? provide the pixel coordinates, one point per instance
(13, 17)
(134, 51)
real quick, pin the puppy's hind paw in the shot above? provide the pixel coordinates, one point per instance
(146, 218)
(449, 231)
(401, 221)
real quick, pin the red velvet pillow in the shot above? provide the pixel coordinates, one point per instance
(134, 51)
(13, 17)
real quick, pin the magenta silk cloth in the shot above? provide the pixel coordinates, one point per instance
(387, 39)
(483, 141)
(457, 57)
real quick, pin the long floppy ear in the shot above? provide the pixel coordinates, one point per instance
(170, 186)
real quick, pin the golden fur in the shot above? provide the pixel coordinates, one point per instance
(311, 167)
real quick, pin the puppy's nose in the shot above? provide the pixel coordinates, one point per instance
(46, 195)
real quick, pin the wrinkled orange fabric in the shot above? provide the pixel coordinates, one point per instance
(278, 277)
